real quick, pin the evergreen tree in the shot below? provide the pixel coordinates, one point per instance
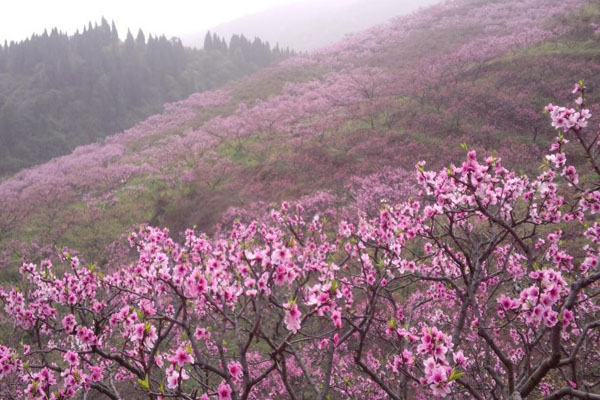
(140, 40)
(208, 42)
(114, 34)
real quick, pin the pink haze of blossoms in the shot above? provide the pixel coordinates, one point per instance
(473, 290)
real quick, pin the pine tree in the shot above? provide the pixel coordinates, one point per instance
(114, 34)
(140, 39)
(208, 42)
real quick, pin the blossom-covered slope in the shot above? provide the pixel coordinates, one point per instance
(472, 71)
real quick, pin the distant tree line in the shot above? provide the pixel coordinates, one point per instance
(243, 50)
(58, 91)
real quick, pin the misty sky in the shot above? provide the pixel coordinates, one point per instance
(20, 18)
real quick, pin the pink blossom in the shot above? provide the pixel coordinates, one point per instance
(292, 317)
(224, 391)
(235, 370)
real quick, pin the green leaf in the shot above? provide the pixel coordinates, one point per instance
(392, 324)
(455, 374)
(464, 146)
(144, 384)
(334, 286)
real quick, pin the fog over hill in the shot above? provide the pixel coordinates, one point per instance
(309, 24)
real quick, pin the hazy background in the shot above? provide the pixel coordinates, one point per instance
(310, 24)
(300, 24)
(19, 19)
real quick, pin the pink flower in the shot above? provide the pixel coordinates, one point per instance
(407, 357)
(68, 323)
(460, 359)
(438, 375)
(182, 357)
(336, 317)
(174, 377)
(201, 334)
(72, 358)
(550, 318)
(292, 317)
(235, 370)
(568, 316)
(151, 337)
(224, 391)
(96, 373)
(138, 331)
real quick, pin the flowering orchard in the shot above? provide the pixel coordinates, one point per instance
(485, 287)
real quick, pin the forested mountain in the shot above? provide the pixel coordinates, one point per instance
(58, 92)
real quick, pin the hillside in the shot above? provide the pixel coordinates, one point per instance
(310, 24)
(58, 92)
(388, 97)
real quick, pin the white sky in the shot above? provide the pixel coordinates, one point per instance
(20, 18)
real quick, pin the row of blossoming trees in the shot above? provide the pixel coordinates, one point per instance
(484, 287)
